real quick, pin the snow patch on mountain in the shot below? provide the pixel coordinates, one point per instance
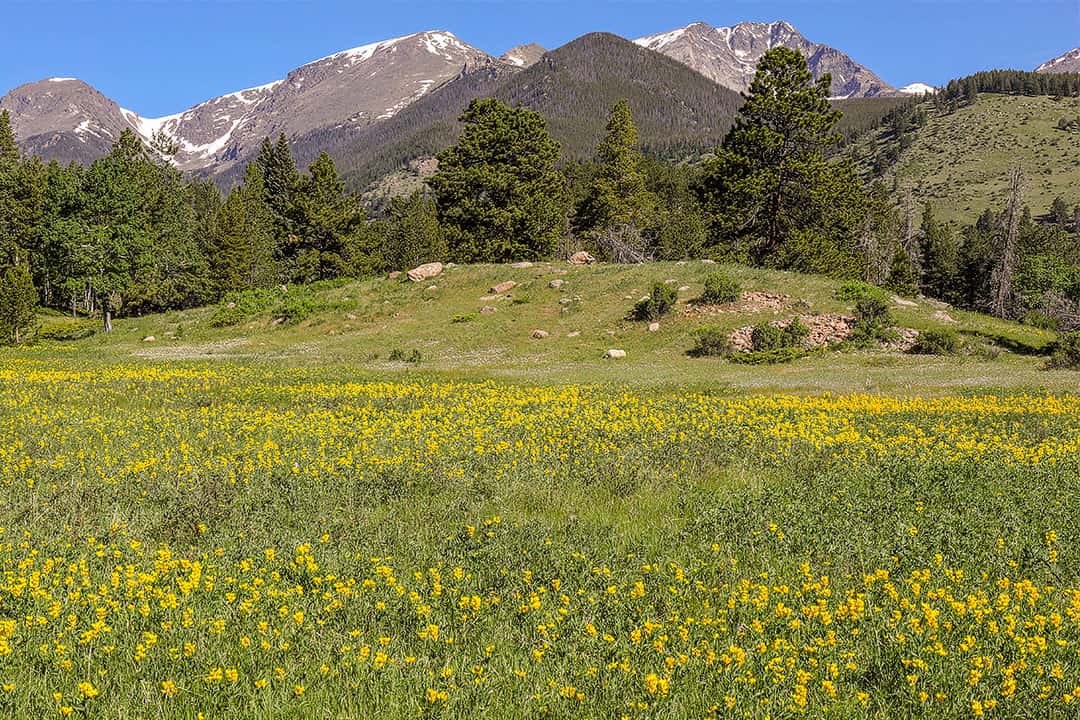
(1069, 62)
(918, 88)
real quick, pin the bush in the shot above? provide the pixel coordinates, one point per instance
(719, 289)
(1067, 354)
(463, 318)
(769, 357)
(398, 355)
(937, 342)
(659, 303)
(767, 337)
(710, 341)
(873, 320)
(855, 290)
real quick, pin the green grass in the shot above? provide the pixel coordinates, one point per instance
(961, 161)
(359, 324)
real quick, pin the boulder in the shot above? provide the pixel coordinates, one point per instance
(539, 334)
(149, 338)
(522, 265)
(556, 284)
(575, 333)
(614, 353)
(684, 288)
(502, 287)
(488, 309)
(582, 258)
(654, 326)
(425, 271)
(394, 275)
(707, 261)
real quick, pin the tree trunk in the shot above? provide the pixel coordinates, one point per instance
(1002, 276)
(106, 313)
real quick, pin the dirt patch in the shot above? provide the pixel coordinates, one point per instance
(219, 350)
(905, 339)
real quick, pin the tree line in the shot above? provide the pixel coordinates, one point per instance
(129, 234)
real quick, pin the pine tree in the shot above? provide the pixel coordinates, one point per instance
(280, 180)
(9, 151)
(941, 258)
(770, 183)
(327, 222)
(9, 204)
(499, 195)
(244, 254)
(618, 194)
(412, 233)
(18, 303)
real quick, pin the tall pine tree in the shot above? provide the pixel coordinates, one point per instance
(243, 257)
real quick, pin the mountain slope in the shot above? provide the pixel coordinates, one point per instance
(1066, 63)
(676, 109)
(353, 88)
(523, 55)
(960, 161)
(729, 55)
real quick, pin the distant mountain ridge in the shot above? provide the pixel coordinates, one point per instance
(70, 120)
(1068, 62)
(729, 55)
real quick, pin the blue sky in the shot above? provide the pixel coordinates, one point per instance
(158, 57)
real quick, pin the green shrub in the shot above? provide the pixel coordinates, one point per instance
(937, 341)
(795, 333)
(659, 303)
(720, 288)
(463, 318)
(1067, 354)
(238, 306)
(710, 341)
(1040, 320)
(767, 337)
(769, 357)
(854, 290)
(873, 320)
(66, 331)
(399, 355)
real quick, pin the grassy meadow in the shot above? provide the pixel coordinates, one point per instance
(273, 519)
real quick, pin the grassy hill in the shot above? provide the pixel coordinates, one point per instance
(960, 161)
(362, 324)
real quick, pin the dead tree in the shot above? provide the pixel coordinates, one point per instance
(1008, 238)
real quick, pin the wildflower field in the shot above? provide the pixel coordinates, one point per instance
(231, 541)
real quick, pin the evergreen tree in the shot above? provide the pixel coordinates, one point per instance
(280, 180)
(18, 301)
(941, 258)
(770, 184)
(618, 194)
(413, 235)
(1059, 213)
(902, 280)
(9, 151)
(9, 210)
(244, 254)
(880, 234)
(498, 193)
(328, 225)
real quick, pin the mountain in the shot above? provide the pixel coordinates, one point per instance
(676, 110)
(524, 55)
(917, 88)
(1067, 63)
(729, 55)
(69, 120)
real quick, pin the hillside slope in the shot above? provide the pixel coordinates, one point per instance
(676, 110)
(361, 324)
(960, 161)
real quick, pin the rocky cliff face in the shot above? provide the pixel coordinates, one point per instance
(729, 56)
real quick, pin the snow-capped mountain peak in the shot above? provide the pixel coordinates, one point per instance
(918, 88)
(1066, 63)
(729, 55)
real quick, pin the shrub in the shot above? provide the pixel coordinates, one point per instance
(463, 318)
(398, 355)
(659, 303)
(1067, 354)
(854, 290)
(795, 333)
(710, 341)
(719, 288)
(767, 337)
(769, 357)
(938, 341)
(873, 320)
